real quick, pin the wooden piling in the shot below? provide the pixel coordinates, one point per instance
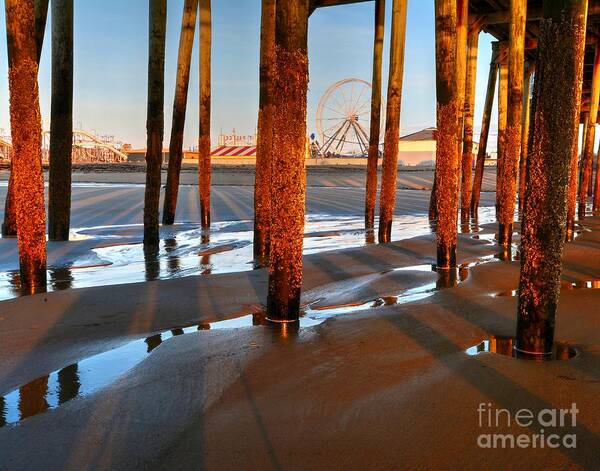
(558, 93)
(9, 224)
(485, 130)
(507, 177)
(387, 198)
(204, 168)
(587, 157)
(572, 188)
(184, 59)
(288, 179)
(447, 159)
(502, 116)
(525, 123)
(41, 15)
(462, 34)
(469, 114)
(61, 121)
(375, 126)
(264, 144)
(26, 132)
(155, 119)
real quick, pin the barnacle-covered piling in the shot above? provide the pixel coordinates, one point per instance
(288, 179)
(558, 94)
(26, 132)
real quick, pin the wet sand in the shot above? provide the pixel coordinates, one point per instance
(383, 388)
(411, 178)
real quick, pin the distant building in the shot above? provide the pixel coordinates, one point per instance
(235, 140)
(418, 149)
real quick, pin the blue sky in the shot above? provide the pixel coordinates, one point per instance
(111, 55)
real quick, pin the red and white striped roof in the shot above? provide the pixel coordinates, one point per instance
(234, 151)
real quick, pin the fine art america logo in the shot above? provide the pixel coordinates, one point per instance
(547, 428)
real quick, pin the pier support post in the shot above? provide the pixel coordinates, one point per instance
(26, 132)
(288, 178)
(507, 172)
(587, 156)
(573, 180)
(462, 34)
(558, 94)
(485, 130)
(264, 144)
(502, 105)
(9, 224)
(204, 167)
(469, 113)
(447, 159)
(387, 198)
(375, 126)
(525, 123)
(61, 121)
(184, 59)
(155, 119)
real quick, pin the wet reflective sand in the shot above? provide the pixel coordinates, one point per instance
(186, 250)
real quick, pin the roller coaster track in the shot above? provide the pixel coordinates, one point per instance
(86, 148)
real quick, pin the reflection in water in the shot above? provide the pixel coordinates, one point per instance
(505, 346)
(446, 279)
(205, 266)
(60, 278)
(2, 412)
(153, 342)
(120, 258)
(32, 397)
(96, 372)
(68, 383)
(173, 265)
(151, 262)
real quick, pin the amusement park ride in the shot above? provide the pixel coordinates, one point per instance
(87, 148)
(343, 119)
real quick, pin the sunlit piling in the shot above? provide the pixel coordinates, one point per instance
(26, 131)
(155, 118)
(61, 121)
(502, 105)
(508, 171)
(469, 114)
(573, 180)
(587, 156)
(264, 144)
(375, 126)
(288, 185)
(204, 168)
(387, 198)
(184, 59)
(561, 47)
(447, 164)
(462, 35)
(9, 224)
(485, 130)
(525, 123)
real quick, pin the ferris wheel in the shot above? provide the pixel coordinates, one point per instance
(343, 118)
